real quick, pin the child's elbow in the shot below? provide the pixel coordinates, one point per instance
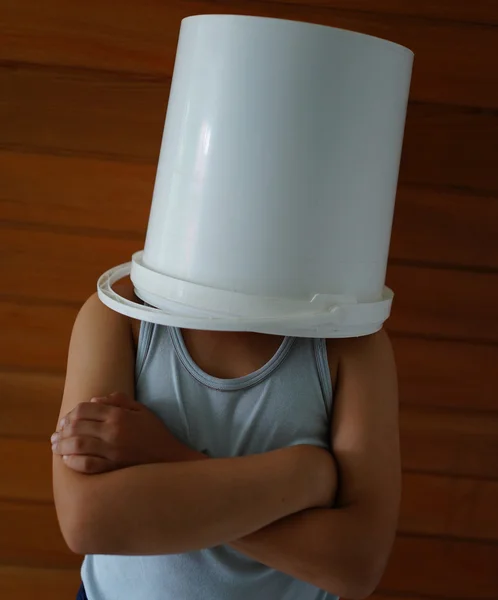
(82, 528)
(78, 533)
(359, 578)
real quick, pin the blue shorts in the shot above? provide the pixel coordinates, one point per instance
(81, 594)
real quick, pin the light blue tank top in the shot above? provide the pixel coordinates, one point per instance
(286, 402)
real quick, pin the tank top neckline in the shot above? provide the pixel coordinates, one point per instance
(236, 383)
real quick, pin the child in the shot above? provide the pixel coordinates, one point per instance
(192, 464)
(228, 465)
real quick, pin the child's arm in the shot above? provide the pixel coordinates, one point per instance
(345, 550)
(168, 508)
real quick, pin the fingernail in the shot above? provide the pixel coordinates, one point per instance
(62, 422)
(65, 457)
(54, 447)
(55, 437)
(96, 399)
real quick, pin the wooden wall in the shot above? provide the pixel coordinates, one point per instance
(84, 88)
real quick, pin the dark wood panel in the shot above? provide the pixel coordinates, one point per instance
(30, 536)
(450, 506)
(35, 336)
(85, 113)
(143, 38)
(389, 596)
(445, 227)
(443, 568)
(24, 583)
(431, 504)
(25, 470)
(30, 402)
(60, 267)
(453, 304)
(449, 442)
(76, 192)
(431, 225)
(447, 373)
(449, 146)
(482, 11)
(101, 114)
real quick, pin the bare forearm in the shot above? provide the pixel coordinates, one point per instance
(179, 507)
(320, 546)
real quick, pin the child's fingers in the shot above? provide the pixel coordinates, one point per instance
(95, 429)
(88, 464)
(86, 410)
(83, 445)
(118, 399)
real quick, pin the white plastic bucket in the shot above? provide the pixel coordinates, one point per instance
(274, 195)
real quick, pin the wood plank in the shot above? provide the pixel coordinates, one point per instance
(443, 568)
(446, 373)
(453, 304)
(440, 302)
(121, 116)
(25, 470)
(389, 596)
(430, 225)
(457, 163)
(30, 536)
(30, 403)
(90, 193)
(35, 336)
(449, 442)
(70, 267)
(483, 11)
(144, 39)
(449, 506)
(444, 227)
(23, 583)
(83, 113)
(431, 504)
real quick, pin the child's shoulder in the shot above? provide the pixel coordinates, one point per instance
(364, 351)
(96, 312)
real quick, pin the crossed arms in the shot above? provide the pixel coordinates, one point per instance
(275, 507)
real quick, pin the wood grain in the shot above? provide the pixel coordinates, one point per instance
(35, 336)
(440, 302)
(76, 193)
(30, 403)
(483, 11)
(445, 227)
(30, 536)
(24, 583)
(111, 198)
(443, 568)
(461, 443)
(25, 470)
(143, 39)
(446, 374)
(121, 117)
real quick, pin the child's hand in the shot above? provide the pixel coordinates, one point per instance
(113, 432)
